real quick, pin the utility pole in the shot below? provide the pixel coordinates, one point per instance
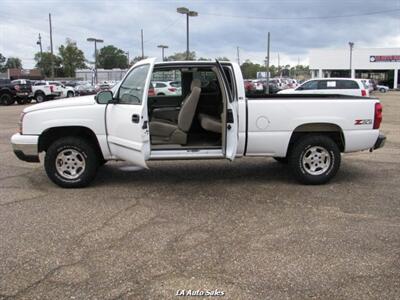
(39, 42)
(51, 48)
(238, 57)
(141, 34)
(267, 68)
(279, 64)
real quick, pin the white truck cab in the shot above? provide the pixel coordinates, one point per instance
(210, 118)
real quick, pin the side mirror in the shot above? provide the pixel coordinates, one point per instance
(104, 97)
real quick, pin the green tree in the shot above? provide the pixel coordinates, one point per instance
(223, 58)
(136, 59)
(44, 64)
(13, 63)
(2, 60)
(204, 59)
(250, 69)
(72, 58)
(182, 56)
(110, 57)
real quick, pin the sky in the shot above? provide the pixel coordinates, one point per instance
(220, 27)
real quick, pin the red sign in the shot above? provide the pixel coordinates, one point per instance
(384, 58)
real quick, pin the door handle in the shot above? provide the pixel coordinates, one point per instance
(229, 117)
(135, 118)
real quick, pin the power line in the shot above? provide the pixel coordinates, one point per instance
(304, 18)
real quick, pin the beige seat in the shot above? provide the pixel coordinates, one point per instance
(167, 132)
(210, 123)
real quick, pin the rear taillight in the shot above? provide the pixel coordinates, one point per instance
(364, 93)
(172, 89)
(378, 116)
(51, 88)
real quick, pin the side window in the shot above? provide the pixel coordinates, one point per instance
(167, 83)
(327, 85)
(132, 89)
(310, 85)
(347, 84)
(209, 82)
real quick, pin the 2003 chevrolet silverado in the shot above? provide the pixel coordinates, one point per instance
(210, 119)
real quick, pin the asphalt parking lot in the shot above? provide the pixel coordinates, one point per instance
(245, 228)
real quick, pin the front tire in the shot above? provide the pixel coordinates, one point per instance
(6, 99)
(315, 159)
(70, 94)
(382, 90)
(71, 162)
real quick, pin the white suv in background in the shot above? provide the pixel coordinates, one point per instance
(167, 88)
(341, 86)
(48, 90)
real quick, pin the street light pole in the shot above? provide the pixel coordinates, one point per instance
(268, 60)
(351, 44)
(95, 55)
(162, 50)
(188, 13)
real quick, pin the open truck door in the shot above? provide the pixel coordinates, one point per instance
(232, 124)
(127, 119)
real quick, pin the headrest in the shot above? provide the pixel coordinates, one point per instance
(195, 83)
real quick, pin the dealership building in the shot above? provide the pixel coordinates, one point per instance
(381, 64)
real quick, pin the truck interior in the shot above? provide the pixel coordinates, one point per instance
(190, 116)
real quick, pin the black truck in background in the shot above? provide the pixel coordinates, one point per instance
(17, 90)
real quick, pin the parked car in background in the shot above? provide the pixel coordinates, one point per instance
(85, 89)
(167, 88)
(102, 87)
(49, 90)
(14, 91)
(279, 82)
(23, 88)
(341, 86)
(382, 88)
(368, 84)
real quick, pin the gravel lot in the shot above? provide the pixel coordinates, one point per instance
(245, 228)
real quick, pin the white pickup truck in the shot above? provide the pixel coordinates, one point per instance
(210, 119)
(48, 90)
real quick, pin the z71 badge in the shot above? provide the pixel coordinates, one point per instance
(363, 122)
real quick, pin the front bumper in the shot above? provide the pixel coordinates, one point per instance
(380, 142)
(25, 147)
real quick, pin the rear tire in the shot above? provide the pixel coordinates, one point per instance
(315, 159)
(382, 90)
(6, 99)
(71, 162)
(40, 97)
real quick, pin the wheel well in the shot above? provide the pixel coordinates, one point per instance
(328, 129)
(51, 135)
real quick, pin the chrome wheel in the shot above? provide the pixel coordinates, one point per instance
(316, 160)
(70, 163)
